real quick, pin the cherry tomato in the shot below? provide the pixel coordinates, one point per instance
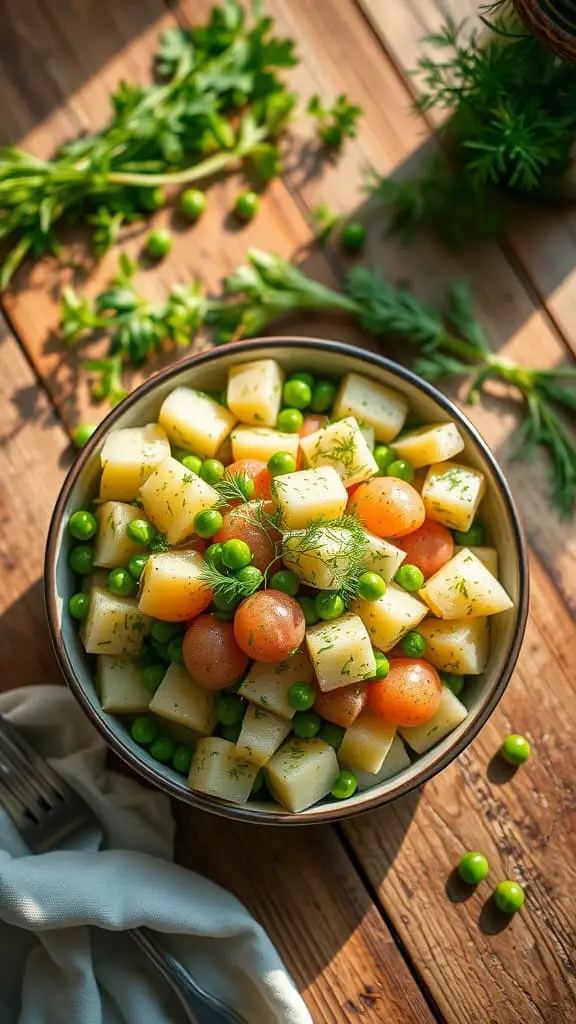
(409, 695)
(428, 547)
(341, 706)
(254, 470)
(269, 625)
(311, 424)
(211, 653)
(246, 523)
(195, 544)
(388, 506)
(224, 453)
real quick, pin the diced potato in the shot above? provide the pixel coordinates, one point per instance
(180, 699)
(97, 578)
(195, 421)
(302, 772)
(172, 588)
(120, 686)
(341, 652)
(255, 391)
(114, 625)
(216, 770)
(425, 445)
(371, 403)
(341, 445)
(390, 617)
(366, 743)
(464, 588)
(368, 434)
(396, 761)
(383, 557)
(488, 557)
(457, 645)
(268, 685)
(172, 496)
(452, 493)
(261, 443)
(128, 458)
(322, 564)
(308, 495)
(112, 545)
(261, 735)
(450, 714)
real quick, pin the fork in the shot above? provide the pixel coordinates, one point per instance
(48, 813)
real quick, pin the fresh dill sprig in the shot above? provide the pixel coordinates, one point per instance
(233, 488)
(346, 563)
(229, 587)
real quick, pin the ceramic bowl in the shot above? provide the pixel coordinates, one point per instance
(208, 371)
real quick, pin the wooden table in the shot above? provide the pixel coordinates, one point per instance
(366, 915)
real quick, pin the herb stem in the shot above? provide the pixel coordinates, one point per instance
(212, 165)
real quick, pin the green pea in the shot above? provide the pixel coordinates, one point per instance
(410, 577)
(121, 583)
(323, 396)
(82, 525)
(509, 897)
(515, 749)
(236, 554)
(453, 682)
(297, 394)
(144, 730)
(224, 602)
(473, 868)
(304, 376)
(152, 676)
(301, 696)
(136, 565)
(224, 616)
(158, 244)
(230, 708)
(193, 463)
(332, 734)
(162, 631)
(306, 724)
(353, 237)
(141, 531)
(329, 605)
(281, 462)
(174, 650)
(401, 469)
(382, 665)
(81, 558)
(344, 786)
(161, 651)
(469, 538)
(289, 421)
(152, 199)
(213, 555)
(208, 522)
(230, 732)
(78, 606)
(212, 471)
(83, 433)
(182, 759)
(384, 456)
(192, 203)
(251, 577)
(247, 205)
(309, 610)
(259, 784)
(371, 586)
(286, 581)
(413, 644)
(162, 749)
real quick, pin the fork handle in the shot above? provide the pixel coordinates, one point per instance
(201, 1006)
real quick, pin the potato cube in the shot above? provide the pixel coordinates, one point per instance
(425, 445)
(112, 545)
(371, 403)
(452, 493)
(457, 645)
(450, 714)
(383, 557)
(255, 391)
(342, 446)
(341, 652)
(396, 761)
(128, 457)
(261, 735)
(322, 563)
(172, 496)
(172, 587)
(120, 686)
(195, 421)
(302, 772)
(97, 578)
(368, 434)
(216, 770)
(268, 685)
(180, 699)
(261, 443)
(464, 588)
(308, 495)
(390, 617)
(366, 743)
(488, 557)
(114, 625)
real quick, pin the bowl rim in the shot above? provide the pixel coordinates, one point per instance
(154, 775)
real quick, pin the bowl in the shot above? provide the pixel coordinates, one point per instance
(208, 372)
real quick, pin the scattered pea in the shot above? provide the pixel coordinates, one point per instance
(78, 606)
(158, 244)
(121, 583)
(208, 522)
(401, 469)
(297, 394)
(230, 708)
(212, 471)
(213, 555)
(281, 462)
(344, 786)
(306, 724)
(285, 581)
(82, 525)
(162, 749)
(230, 732)
(469, 538)
(410, 577)
(382, 665)
(182, 759)
(515, 749)
(473, 868)
(308, 607)
(236, 554)
(371, 586)
(81, 559)
(250, 575)
(141, 531)
(162, 632)
(304, 376)
(192, 203)
(152, 676)
(328, 605)
(144, 730)
(332, 734)
(509, 897)
(413, 644)
(136, 565)
(289, 421)
(301, 696)
(247, 205)
(323, 396)
(453, 682)
(224, 602)
(83, 433)
(193, 463)
(384, 456)
(174, 650)
(354, 237)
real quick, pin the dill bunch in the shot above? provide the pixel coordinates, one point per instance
(347, 542)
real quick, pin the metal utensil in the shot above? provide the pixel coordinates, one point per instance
(47, 813)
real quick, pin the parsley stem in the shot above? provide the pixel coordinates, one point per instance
(207, 167)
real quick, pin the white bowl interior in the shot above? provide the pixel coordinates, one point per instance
(495, 514)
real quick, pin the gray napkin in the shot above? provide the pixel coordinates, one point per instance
(64, 957)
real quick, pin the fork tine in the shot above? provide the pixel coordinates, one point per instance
(32, 770)
(13, 806)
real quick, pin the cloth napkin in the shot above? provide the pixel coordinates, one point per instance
(64, 959)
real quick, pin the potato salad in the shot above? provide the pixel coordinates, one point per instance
(284, 586)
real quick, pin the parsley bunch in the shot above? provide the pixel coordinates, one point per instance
(335, 123)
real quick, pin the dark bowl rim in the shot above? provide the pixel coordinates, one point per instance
(155, 776)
